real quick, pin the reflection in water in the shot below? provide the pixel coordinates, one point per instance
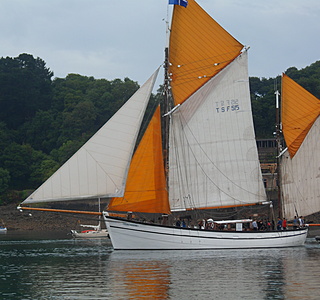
(250, 274)
(274, 278)
(82, 269)
(301, 270)
(140, 279)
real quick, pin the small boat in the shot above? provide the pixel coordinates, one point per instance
(93, 232)
(3, 229)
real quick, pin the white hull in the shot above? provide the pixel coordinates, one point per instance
(90, 234)
(130, 235)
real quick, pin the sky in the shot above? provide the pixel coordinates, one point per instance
(126, 38)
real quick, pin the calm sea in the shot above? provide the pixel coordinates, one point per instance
(54, 266)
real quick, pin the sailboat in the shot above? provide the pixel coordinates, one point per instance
(90, 231)
(198, 152)
(212, 156)
(3, 228)
(300, 169)
(95, 231)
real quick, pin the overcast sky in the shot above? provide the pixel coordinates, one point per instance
(126, 38)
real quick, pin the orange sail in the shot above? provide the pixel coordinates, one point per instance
(199, 49)
(299, 111)
(146, 184)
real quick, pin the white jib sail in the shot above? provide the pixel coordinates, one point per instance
(99, 168)
(300, 177)
(213, 156)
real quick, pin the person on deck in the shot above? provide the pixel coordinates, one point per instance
(254, 225)
(284, 224)
(295, 223)
(279, 224)
(209, 224)
(269, 225)
(301, 222)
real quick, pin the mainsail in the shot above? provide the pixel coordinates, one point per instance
(300, 168)
(199, 49)
(213, 154)
(99, 168)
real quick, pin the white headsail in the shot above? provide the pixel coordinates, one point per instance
(99, 168)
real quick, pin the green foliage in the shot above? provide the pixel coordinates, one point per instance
(308, 77)
(62, 154)
(43, 131)
(25, 87)
(4, 180)
(263, 106)
(43, 122)
(43, 170)
(21, 161)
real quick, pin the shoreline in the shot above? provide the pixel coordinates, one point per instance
(15, 220)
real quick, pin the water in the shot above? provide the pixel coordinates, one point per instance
(58, 267)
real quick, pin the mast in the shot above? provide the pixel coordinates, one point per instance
(166, 107)
(167, 101)
(278, 141)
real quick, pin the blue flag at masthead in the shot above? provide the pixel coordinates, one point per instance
(183, 3)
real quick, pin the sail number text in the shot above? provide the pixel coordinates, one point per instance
(227, 105)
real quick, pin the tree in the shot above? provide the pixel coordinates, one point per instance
(263, 106)
(66, 150)
(25, 88)
(20, 161)
(43, 170)
(4, 181)
(78, 122)
(43, 131)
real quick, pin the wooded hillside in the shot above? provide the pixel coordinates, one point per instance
(44, 120)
